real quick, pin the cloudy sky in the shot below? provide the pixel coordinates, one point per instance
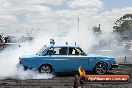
(112, 4)
(30, 16)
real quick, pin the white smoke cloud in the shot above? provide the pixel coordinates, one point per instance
(29, 74)
(9, 60)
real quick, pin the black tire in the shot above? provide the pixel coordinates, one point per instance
(45, 68)
(101, 68)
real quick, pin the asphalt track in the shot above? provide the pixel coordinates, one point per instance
(67, 81)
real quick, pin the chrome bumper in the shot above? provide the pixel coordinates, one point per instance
(114, 66)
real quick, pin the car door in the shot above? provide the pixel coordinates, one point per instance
(60, 59)
(77, 58)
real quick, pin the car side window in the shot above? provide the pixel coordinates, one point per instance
(63, 51)
(75, 51)
(50, 51)
(57, 51)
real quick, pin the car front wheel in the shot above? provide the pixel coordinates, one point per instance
(45, 69)
(101, 68)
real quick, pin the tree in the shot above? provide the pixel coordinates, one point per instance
(123, 26)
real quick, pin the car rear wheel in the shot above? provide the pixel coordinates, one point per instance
(101, 68)
(45, 69)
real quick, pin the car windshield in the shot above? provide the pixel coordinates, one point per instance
(41, 50)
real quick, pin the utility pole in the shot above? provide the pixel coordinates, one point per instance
(78, 24)
(58, 28)
(125, 60)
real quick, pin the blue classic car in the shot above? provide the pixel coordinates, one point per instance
(66, 59)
